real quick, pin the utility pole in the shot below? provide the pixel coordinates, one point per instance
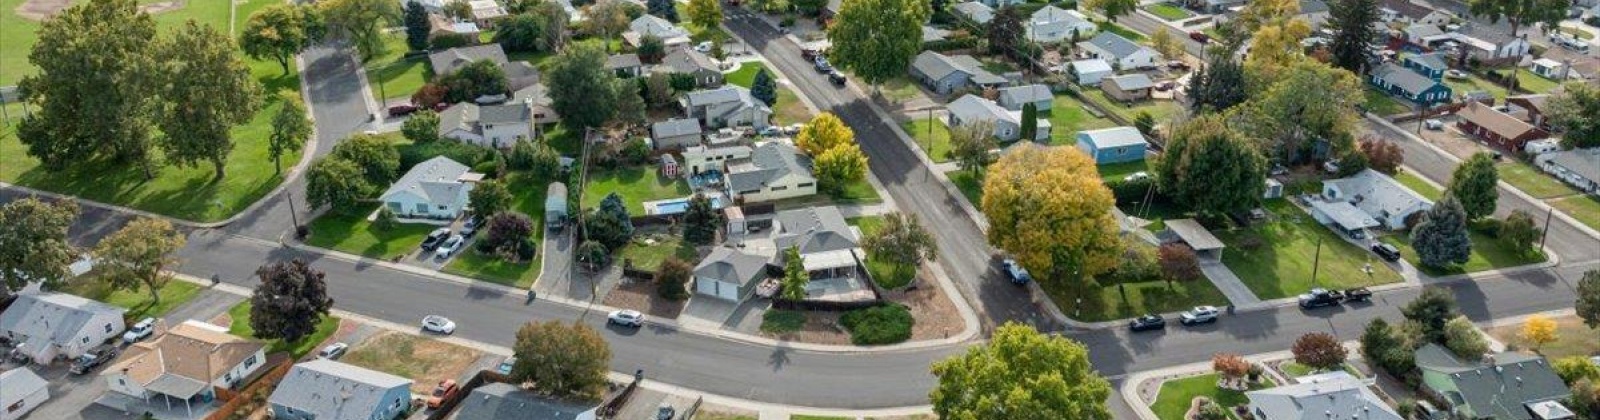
(1542, 235)
(289, 195)
(930, 132)
(1316, 261)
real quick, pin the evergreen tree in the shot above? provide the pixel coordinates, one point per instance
(1441, 239)
(665, 9)
(765, 88)
(1030, 121)
(1217, 86)
(1145, 123)
(1005, 31)
(610, 224)
(518, 33)
(1430, 311)
(1352, 24)
(795, 277)
(700, 221)
(417, 26)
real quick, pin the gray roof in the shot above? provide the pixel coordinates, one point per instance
(447, 61)
(976, 108)
(1051, 13)
(1313, 6)
(622, 61)
(1193, 234)
(674, 127)
(1378, 194)
(1114, 44)
(1421, 30)
(814, 230)
(1338, 393)
(654, 25)
(768, 162)
(502, 401)
(1344, 214)
(59, 316)
(334, 390)
(436, 180)
(19, 383)
(508, 113)
(1407, 8)
(1500, 386)
(975, 67)
(686, 60)
(1582, 162)
(463, 116)
(1433, 60)
(938, 66)
(729, 93)
(1114, 137)
(1130, 81)
(732, 265)
(1028, 93)
(176, 385)
(1406, 79)
(977, 11)
(538, 94)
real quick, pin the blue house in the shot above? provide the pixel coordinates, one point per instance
(323, 389)
(1432, 65)
(1405, 83)
(1113, 145)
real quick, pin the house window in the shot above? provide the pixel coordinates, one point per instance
(250, 362)
(394, 206)
(86, 340)
(443, 207)
(749, 192)
(780, 188)
(422, 207)
(803, 185)
(228, 377)
(108, 328)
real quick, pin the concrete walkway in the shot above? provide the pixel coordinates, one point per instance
(1230, 285)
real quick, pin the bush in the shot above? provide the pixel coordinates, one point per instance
(951, 44)
(386, 220)
(467, 154)
(883, 324)
(490, 169)
(1574, 368)
(671, 278)
(787, 21)
(779, 321)
(447, 41)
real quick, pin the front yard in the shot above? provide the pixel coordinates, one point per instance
(1585, 208)
(1169, 11)
(138, 303)
(423, 360)
(527, 195)
(1382, 103)
(931, 135)
(353, 233)
(1531, 180)
(648, 251)
(394, 74)
(971, 185)
(636, 185)
(1275, 258)
(788, 109)
(1421, 186)
(1143, 297)
(1176, 395)
(887, 274)
(1572, 338)
(239, 317)
(1488, 253)
(900, 89)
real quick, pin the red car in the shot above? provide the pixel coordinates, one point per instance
(402, 110)
(446, 389)
(1200, 37)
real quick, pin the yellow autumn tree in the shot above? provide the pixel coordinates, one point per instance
(824, 133)
(1275, 48)
(1539, 330)
(840, 166)
(1259, 13)
(1048, 209)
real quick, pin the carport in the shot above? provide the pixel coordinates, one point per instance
(1197, 237)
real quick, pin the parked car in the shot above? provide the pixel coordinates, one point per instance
(771, 131)
(402, 110)
(626, 318)
(470, 227)
(449, 247)
(836, 78)
(1165, 85)
(435, 238)
(446, 389)
(808, 53)
(1136, 176)
(793, 129)
(140, 330)
(704, 47)
(666, 412)
(1433, 124)
(1387, 252)
(438, 324)
(821, 64)
(1320, 297)
(1359, 294)
(505, 365)
(1015, 272)
(1147, 323)
(1198, 315)
(333, 351)
(441, 106)
(1178, 65)
(1199, 37)
(1455, 74)
(93, 358)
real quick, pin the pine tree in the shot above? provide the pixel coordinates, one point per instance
(1441, 239)
(765, 88)
(1351, 21)
(665, 9)
(700, 221)
(417, 26)
(1030, 121)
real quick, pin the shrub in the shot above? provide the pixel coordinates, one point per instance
(883, 324)
(1574, 368)
(448, 41)
(1230, 365)
(779, 321)
(671, 278)
(386, 220)
(1319, 350)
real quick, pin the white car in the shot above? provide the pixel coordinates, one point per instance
(1433, 124)
(140, 330)
(1137, 176)
(1198, 315)
(626, 318)
(438, 324)
(449, 247)
(333, 351)
(703, 47)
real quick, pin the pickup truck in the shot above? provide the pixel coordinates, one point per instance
(1322, 297)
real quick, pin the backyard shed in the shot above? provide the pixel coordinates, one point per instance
(555, 205)
(21, 391)
(1197, 237)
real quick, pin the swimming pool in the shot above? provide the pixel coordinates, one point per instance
(676, 206)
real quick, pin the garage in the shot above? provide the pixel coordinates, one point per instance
(717, 289)
(726, 271)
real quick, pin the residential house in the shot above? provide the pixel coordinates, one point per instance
(1410, 13)
(625, 65)
(434, 189)
(1214, 6)
(698, 159)
(975, 12)
(676, 133)
(651, 25)
(694, 63)
(1406, 83)
(1091, 71)
(496, 126)
(330, 390)
(1014, 97)
(1128, 87)
(485, 12)
(1315, 397)
(1423, 34)
(503, 401)
(432, 6)
(1549, 69)
(441, 25)
(1505, 386)
(537, 98)
(1496, 127)
(1052, 24)
(1315, 12)
(21, 391)
(944, 74)
(47, 325)
(730, 273)
(727, 106)
(1489, 45)
(188, 363)
(1007, 124)
(997, 4)
(1113, 145)
(1431, 65)
(828, 246)
(1120, 52)
(519, 74)
(1579, 167)
(1532, 108)
(1379, 196)
(1343, 217)
(933, 33)
(774, 171)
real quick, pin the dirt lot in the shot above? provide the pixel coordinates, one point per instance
(425, 361)
(641, 296)
(1451, 139)
(936, 316)
(1572, 338)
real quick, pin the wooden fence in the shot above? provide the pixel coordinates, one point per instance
(245, 399)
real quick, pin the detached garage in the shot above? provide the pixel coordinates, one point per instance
(21, 391)
(729, 273)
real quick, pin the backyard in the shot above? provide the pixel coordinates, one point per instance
(239, 317)
(1162, 110)
(175, 293)
(1474, 83)
(636, 185)
(931, 135)
(1531, 180)
(353, 233)
(1382, 103)
(1176, 395)
(1585, 208)
(1169, 11)
(396, 74)
(1528, 81)
(424, 361)
(1276, 257)
(1119, 172)
(1488, 253)
(1068, 116)
(788, 109)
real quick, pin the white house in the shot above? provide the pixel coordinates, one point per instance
(1053, 24)
(1411, 13)
(186, 365)
(697, 159)
(828, 246)
(1007, 124)
(727, 106)
(650, 25)
(21, 391)
(1119, 51)
(1579, 167)
(1013, 98)
(774, 171)
(1314, 397)
(976, 12)
(485, 12)
(1090, 72)
(1489, 44)
(1550, 69)
(1377, 195)
(497, 126)
(47, 325)
(434, 189)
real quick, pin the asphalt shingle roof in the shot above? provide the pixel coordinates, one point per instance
(1583, 162)
(501, 401)
(1337, 393)
(508, 113)
(731, 265)
(674, 127)
(1115, 137)
(1131, 81)
(58, 316)
(1404, 78)
(1028, 93)
(977, 11)
(1501, 386)
(436, 180)
(334, 390)
(769, 162)
(447, 61)
(1114, 44)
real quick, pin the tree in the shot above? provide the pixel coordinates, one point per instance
(901, 241)
(90, 95)
(289, 302)
(839, 167)
(1137, 263)
(876, 39)
(700, 221)
(1030, 121)
(814, 7)
(594, 254)
(1463, 339)
(1431, 310)
(705, 13)
(1377, 340)
(610, 224)
(1519, 231)
(458, 10)
(658, 90)
(337, 183)
(1048, 209)
(1474, 185)
(376, 156)
(1441, 238)
(217, 92)
(765, 88)
(519, 33)
(580, 86)
(823, 133)
(546, 163)
(386, 220)
(1211, 167)
(510, 236)
(478, 78)
(279, 32)
(1145, 123)
(970, 145)
(488, 198)
(552, 16)
(1112, 8)
(422, 127)
(429, 95)
(1229, 365)
(1307, 112)
(795, 276)
(361, 21)
(1585, 400)
(138, 255)
(1020, 370)
(1382, 155)
(630, 105)
(290, 129)
(34, 245)
(566, 360)
(672, 278)
(1588, 303)
(1178, 262)
(1217, 86)
(1319, 350)
(1574, 368)
(1163, 42)
(418, 27)
(665, 9)
(1538, 330)
(1005, 32)
(1352, 24)
(651, 49)
(1576, 108)
(606, 19)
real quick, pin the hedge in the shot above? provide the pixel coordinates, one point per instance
(883, 324)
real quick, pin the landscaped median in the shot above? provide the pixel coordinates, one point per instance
(1276, 257)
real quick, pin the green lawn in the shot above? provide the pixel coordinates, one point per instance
(648, 257)
(1475, 83)
(1176, 395)
(1531, 180)
(1281, 265)
(1117, 171)
(527, 198)
(1143, 297)
(1295, 370)
(1157, 212)
(138, 303)
(1584, 208)
(1577, 33)
(1068, 116)
(1163, 110)
(1528, 81)
(886, 274)
(636, 185)
(1168, 11)
(1130, 34)
(185, 193)
(900, 89)
(971, 185)
(240, 314)
(354, 234)
(997, 66)
(932, 136)
(788, 109)
(1382, 103)
(1488, 253)
(1421, 186)
(392, 74)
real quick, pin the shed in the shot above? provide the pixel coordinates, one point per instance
(1089, 72)
(669, 166)
(21, 391)
(1197, 237)
(1274, 189)
(555, 205)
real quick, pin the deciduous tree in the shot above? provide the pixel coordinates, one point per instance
(1463, 339)
(658, 90)
(478, 78)
(1474, 185)
(422, 127)
(376, 156)
(212, 91)
(630, 103)
(551, 15)
(1230, 365)
(519, 33)
(1519, 231)
(1538, 330)
(840, 167)
(705, 13)
(607, 19)
(765, 88)
(665, 9)
(1048, 209)
(876, 39)
(593, 254)
(488, 198)
(337, 183)
(1210, 167)
(1431, 310)
(362, 21)
(901, 241)
(386, 220)
(581, 88)
(1319, 350)
(290, 128)
(279, 32)
(1382, 155)
(459, 10)
(1178, 262)
(1111, 9)
(1021, 371)
(1588, 303)
(823, 133)
(700, 221)
(1352, 23)
(1574, 368)
(795, 277)
(1307, 112)
(1163, 42)
(1577, 109)
(970, 145)
(672, 279)
(33, 243)
(566, 360)
(1145, 123)
(510, 236)
(651, 50)
(138, 255)
(417, 26)
(1004, 31)
(290, 301)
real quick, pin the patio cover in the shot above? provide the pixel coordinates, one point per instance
(1345, 215)
(176, 386)
(1195, 235)
(830, 259)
